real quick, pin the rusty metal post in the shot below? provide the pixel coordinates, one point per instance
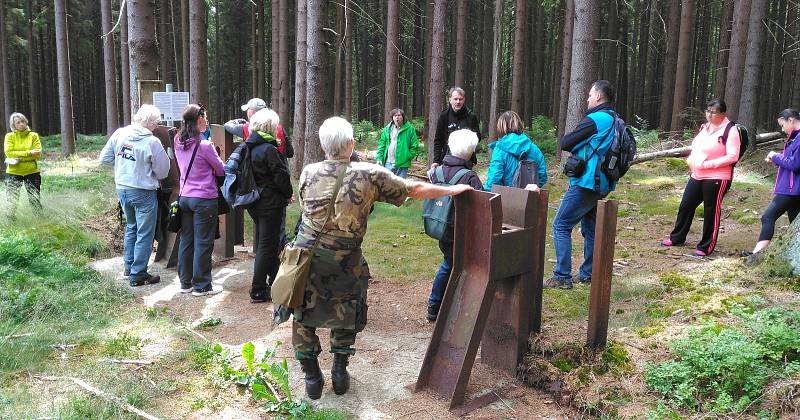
(167, 241)
(602, 271)
(223, 141)
(451, 353)
(537, 253)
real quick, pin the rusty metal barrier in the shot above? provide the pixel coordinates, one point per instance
(231, 225)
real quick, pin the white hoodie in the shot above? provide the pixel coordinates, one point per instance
(138, 158)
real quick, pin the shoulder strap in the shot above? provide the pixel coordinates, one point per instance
(189, 168)
(727, 130)
(438, 173)
(457, 177)
(336, 188)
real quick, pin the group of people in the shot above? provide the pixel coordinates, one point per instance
(336, 293)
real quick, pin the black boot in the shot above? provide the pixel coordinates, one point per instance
(314, 379)
(339, 376)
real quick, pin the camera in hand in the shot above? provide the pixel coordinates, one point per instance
(574, 166)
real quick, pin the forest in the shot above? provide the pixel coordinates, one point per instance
(359, 59)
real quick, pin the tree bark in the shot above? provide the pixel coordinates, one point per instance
(392, 32)
(142, 47)
(755, 44)
(586, 24)
(496, 54)
(274, 71)
(736, 57)
(670, 61)
(64, 79)
(299, 128)
(317, 105)
(283, 62)
(33, 97)
(198, 36)
(682, 67)
(348, 62)
(254, 72)
(566, 68)
(436, 61)
(186, 46)
(125, 66)
(721, 73)
(461, 42)
(338, 65)
(517, 91)
(110, 68)
(5, 93)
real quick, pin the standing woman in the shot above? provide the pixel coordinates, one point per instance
(512, 146)
(787, 181)
(398, 144)
(23, 151)
(271, 176)
(711, 162)
(199, 166)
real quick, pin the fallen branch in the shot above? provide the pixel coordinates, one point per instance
(102, 394)
(13, 336)
(195, 332)
(128, 361)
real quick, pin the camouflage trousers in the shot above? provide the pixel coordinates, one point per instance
(306, 343)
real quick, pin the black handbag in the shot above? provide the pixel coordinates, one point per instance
(174, 223)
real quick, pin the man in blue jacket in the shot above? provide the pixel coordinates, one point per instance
(588, 142)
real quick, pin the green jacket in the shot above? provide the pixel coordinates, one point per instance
(18, 145)
(407, 144)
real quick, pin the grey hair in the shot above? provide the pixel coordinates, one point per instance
(147, 114)
(456, 89)
(334, 135)
(17, 116)
(462, 143)
(265, 120)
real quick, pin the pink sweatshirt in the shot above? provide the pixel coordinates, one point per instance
(710, 159)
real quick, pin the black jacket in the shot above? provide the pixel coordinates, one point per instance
(451, 165)
(448, 122)
(270, 172)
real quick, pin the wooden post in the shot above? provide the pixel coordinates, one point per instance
(600, 294)
(223, 141)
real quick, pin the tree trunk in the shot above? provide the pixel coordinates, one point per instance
(682, 67)
(299, 129)
(125, 66)
(638, 105)
(348, 62)
(609, 70)
(436, 61)
(33, 97)
(722, 50)
(755, 43)
(566, 67)
(186, 46)
(338, 65)
(4, 92)
(64, 79)
(254, 51)
(283, 63)
(461, 42)
(317, 105)
(392, 33)
(429, 9)
(517, 91)
(198, 36)
(670, 61)
(736, 57)
(418, 107)
(273, 68)
(496, 55)
(586, 23)
(110, 70)
(142, 47)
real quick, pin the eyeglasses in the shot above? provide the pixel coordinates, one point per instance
(712, 113)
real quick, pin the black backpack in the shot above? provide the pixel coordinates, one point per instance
(437, 213)
(743, 138)
(620, 155)
(527, 172)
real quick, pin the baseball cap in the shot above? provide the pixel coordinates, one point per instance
(255, 103)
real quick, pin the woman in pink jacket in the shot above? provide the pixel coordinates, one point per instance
(711, 162)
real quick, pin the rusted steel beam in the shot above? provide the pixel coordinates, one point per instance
(465, 308)
(537, 255)
(223, 141)
(602, 271)
(167, 241)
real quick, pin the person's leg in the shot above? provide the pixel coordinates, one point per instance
(440, 280)
(145, 203)
(401, 172)
(794, 208)
(389, 166)
(129, 240)
(186, 246)
(267, 261)
(780, 204)
(713, 192)
(575, 204)
(13, 184)
(692, 197)
(205, 224)
(306, 349)
(33, 184)
(342, 342)
(588, 223)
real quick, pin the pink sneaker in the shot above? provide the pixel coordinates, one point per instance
(666, 242)
(699, 253)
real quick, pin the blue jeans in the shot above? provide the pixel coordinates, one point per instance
(401, 172)
(443, 275)
(577, 205)
(198, 224)
(139, 207)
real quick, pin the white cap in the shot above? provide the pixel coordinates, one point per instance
(254, 104)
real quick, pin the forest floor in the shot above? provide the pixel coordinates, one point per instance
(658, 294)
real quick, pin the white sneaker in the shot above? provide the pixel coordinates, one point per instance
(211, 292)
(187, 290)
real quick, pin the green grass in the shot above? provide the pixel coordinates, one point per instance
(84, 143)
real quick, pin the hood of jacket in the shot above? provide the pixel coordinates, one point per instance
(259, 137)
(450, 160)
(513, 143)
(190, 142)
(137, 133)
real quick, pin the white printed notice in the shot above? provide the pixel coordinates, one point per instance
(171, 104)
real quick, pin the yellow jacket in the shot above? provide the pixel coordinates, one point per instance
(18, 145)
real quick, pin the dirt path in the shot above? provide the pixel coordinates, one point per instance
(389, 352)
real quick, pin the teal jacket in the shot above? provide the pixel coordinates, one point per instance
(505, 159)
(407, 145)
(590, 141)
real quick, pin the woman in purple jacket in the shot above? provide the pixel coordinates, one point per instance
(198, 201)
(787, 181)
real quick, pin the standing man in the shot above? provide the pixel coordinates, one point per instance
(455, 117)
(588, 143)
(240, 127)
(139, 161)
